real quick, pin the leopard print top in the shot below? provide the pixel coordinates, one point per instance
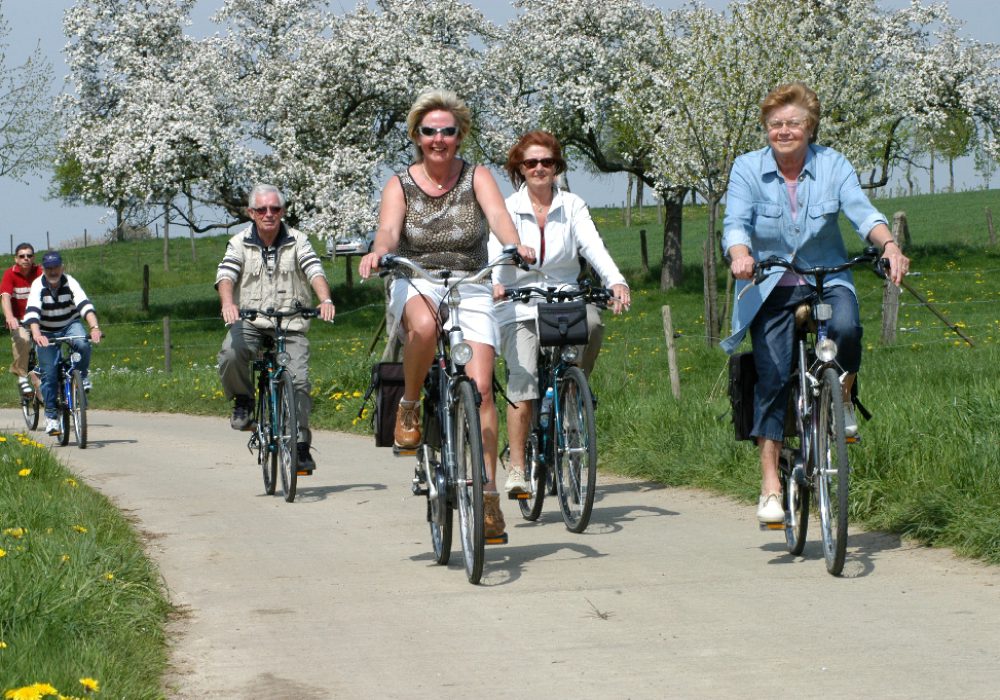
(448, 231)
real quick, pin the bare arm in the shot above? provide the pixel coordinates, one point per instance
(390, 226)
(899, 264)
(230, 311)
(322, 288)
(8, 312)
(491, 202)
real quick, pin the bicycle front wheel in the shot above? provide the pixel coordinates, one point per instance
(576, 450)
(78, 410)
(286, 432)
(796, 502)
(832, 472)
(469, 472)
(267, 453)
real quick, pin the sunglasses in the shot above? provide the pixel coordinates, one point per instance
(532, 163)
(434, 131)
(27, 256)
(267, 210)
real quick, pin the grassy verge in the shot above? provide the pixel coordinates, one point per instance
(78, 598)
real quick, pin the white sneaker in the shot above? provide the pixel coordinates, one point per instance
(769, 508)
(52, 426)
(515, 482)
(850, 421)
(25, 385)
(87, 384)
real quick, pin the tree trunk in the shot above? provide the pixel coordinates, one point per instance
(930, 171)
(639, 184)
(194, 252)
(120, 222)
(712, 320)
(951, 174)
(628, 201)
(166, 237)
(672, 263)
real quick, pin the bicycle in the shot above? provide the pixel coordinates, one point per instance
(451, 470)
(71, 397)
(276, 427)
(561, 449)
(814, 459)
(32, 404)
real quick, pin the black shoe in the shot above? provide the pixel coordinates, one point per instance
(306, 463)
(242, 414)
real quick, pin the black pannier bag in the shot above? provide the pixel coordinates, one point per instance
(387, 386)
(742, 380)
(562, 324)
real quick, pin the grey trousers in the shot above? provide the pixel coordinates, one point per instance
(241, 346)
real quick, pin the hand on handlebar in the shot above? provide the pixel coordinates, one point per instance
(898, 264)
(230, 314)
(369, 265)
(742, 267)
(622, 300)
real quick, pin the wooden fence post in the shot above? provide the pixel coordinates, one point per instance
(348, 272)
(989, 224)
(167, 345)
(644, 252)
(891, 293)
(901, 230)
(668, 332)
(145, 287)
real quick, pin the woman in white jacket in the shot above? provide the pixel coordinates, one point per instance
(557, 224)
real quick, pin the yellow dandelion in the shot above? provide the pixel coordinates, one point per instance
(18, 461)
(3, 553)
(3, 644)
(80, 528)
(71, 483)
(17, 532)
(109, 576)
(24, 472)
(3, 439)
(146, 395)
(357, 394)
(64, 558)
(90, 684)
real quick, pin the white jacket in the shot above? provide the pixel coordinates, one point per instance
(569, 233)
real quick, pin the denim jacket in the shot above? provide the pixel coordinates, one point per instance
(759, 216)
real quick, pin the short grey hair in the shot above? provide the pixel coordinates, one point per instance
(264, 189)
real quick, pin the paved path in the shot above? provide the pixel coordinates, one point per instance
(669, 593)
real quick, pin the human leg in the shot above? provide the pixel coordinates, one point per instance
(419, 327)
(239, 347)
(519, 347)
(47, 357)
(845, 330)
(595, 337)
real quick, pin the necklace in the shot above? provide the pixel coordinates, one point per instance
(432, 180)
(538, 207)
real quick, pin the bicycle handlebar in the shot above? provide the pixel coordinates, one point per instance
(870, 255)
(303, 311)
(391, 261)
(593, 295)
(66, 338)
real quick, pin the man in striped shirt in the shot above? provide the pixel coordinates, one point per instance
(56, 303)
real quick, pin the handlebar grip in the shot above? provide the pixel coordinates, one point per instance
(388, 260)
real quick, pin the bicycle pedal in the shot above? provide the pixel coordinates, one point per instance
(403, 451)
(502, 539)
(853, 440)
(304, 472)
(518, 496)
(419, 490)
(771, 526)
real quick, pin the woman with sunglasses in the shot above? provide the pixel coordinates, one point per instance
(439, 212)
(557, 224)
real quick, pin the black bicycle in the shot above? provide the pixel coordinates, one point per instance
(814, 457)
(32, 404)
(276, 427)
(71, 397)
(561, 449)
(450, 469)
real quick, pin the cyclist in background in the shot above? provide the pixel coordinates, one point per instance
(269, 265)
(56, 303)
(14, 290)
(784, 200)
(557, 224)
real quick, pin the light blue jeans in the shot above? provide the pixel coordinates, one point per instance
(48, 356)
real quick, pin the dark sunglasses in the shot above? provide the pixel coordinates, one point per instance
(531, 163)
(267, 210)
(26, 255)
(434, 131)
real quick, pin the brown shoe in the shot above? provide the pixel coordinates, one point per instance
(494, 525)
(407, 433)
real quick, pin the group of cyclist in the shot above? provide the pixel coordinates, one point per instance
(42, 302)
(443, 212)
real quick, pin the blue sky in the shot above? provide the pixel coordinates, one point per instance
(40, 23)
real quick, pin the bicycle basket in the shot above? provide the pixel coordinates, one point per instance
(562, 324)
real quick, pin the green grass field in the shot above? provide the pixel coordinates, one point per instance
(928, 465)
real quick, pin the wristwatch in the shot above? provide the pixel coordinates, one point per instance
(327, 301)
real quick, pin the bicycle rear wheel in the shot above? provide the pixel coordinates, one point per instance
(576, 450)
(78, 399)
(440, 514)
(535, 474)
(286, 432)
(796, 502)
(832, 471)
(469, 473)
(267, 454)
(30, 409)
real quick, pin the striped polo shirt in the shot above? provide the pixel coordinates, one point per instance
(55, 308)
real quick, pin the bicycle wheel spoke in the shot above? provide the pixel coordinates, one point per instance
(469, 480)
(576, 471)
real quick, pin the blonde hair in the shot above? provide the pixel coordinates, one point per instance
(795, 93)
(444, 100)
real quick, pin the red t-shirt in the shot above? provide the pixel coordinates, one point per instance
(17, 285)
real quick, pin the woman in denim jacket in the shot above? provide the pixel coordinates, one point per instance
(785, 200)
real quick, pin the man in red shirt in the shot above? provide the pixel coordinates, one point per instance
(14, 297)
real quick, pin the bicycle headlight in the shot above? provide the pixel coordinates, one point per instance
(75, 357)
(570, 353)
(284, 359)
(461, 353)
(826, 350)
